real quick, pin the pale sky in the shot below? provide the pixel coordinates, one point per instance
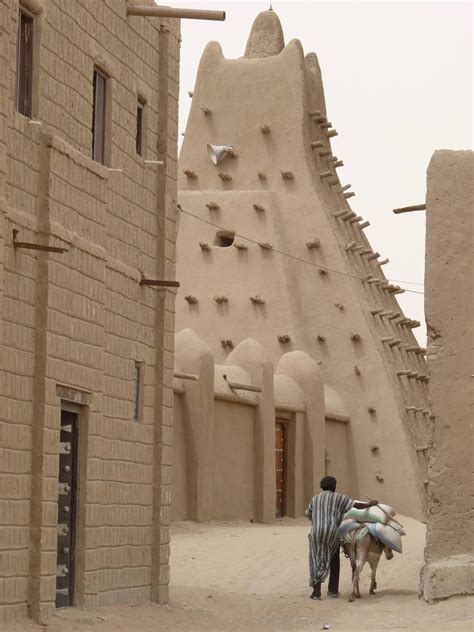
(398, 85)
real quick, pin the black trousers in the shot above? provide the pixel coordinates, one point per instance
(334, 570)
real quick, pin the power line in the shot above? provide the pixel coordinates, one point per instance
(287, 254)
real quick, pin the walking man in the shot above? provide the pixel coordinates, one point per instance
(326, 511)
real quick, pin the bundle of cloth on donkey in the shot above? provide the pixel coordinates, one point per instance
(365, 528)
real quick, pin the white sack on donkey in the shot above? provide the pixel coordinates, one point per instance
(364, 534)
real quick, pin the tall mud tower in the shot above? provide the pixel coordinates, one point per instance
(275, 192)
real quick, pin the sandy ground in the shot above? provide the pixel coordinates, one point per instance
(247, 577)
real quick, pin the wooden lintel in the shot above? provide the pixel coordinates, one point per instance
(171, 12)
(26, 245)
(159, 283)
(409, 209)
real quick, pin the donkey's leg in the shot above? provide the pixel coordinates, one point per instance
(374, 562)
(362, 551)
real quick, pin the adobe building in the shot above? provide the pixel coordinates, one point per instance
(88, 97)
(449, 560)
(278, 280)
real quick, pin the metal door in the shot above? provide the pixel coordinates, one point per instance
(280, 467)
(67, 494)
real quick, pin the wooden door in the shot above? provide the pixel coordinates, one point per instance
(67, 508)
(280, 468)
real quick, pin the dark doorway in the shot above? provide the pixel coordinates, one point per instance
(67, 509)
(280, 467)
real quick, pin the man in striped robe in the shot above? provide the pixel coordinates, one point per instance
(326, 512)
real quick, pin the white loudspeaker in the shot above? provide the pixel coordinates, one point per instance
(218, 152)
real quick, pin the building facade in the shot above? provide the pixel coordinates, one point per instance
(88, 167)
(269, 249)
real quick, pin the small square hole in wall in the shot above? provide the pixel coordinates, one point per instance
(224, 238)
(138, 391)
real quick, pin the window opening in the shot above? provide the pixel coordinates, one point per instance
(98, 115)
(137, 391)
(224, 239)
(24, 64)
(140, 124)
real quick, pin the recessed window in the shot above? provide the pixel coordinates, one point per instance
(98, 115)
(24, 64)
(224, 239)
(139, 138)
(138, 388)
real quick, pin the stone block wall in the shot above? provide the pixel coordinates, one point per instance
(74, 324)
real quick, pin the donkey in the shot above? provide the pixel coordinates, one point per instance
(367, 549)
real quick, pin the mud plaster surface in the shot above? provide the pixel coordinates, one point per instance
(249, 577)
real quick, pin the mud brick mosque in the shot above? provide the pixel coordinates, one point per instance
(320, 332)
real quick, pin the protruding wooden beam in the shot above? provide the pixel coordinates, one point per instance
(394, 343)
(348, 215)
(159, 283)
(409, 209)
(26, 245)
(154, 11)
(186, 376)
(242, 387)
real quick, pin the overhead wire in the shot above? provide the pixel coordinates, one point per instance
(295, 257)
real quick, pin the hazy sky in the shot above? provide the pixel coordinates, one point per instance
(398, 85)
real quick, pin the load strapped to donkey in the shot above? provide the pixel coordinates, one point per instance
(364, 534)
